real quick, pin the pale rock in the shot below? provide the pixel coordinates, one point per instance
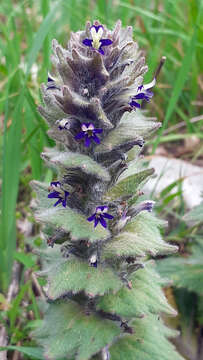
(169, 170)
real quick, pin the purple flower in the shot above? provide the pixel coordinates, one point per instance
(143, 206)
(100, 215)
(88, 133)
(97, 42)
(58, 193)
(143, 93)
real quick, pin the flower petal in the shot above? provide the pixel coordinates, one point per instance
(149, 93)
(64, 202)
(80, 135)
(134, 103)
(84, 126)
(92, 217)
(87, 42)
(87, 141)
(140, 87)
(108, 216)
(54, 195)
(101, 208)
(150, 85)
(98, 131)
(96, 139)
(139, 96)
(90, 126)
(96, 221)
(101, 51)
(102, 221)
(97, 27)
(106, 42)
(58, 202)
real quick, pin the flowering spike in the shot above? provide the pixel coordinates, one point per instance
(96, 156)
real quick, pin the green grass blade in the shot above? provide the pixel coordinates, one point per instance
(181, 79)
(11, 166)
(32, 352)
(41, 36)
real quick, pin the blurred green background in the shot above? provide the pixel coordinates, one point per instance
(173, 28)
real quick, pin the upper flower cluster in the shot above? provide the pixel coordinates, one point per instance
(92, 85)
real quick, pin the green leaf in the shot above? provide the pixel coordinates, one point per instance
(129, 185)
(32, 352)
(149, 342)
(72, 222)
(139, 237)
(133, 125)
(144, 298)
(195, 216)
(185, 272)
(28, 260)
(69, 160)
(75, 275)
(42, 201)
(74, 334)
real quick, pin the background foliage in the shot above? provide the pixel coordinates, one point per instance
(170, 28)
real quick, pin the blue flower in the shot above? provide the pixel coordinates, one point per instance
(97, 42)
(88, 133)
(100, 215)
(143, 93)
(58, 193)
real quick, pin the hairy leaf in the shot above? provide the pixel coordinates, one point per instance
(149, 342)
(72, 222)
(68, 332)
(70, 160)
(133, 125)
(185, 272)
(139, 237)
(75, 275)
(129, 185)
(195, 216)
(145, 296)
